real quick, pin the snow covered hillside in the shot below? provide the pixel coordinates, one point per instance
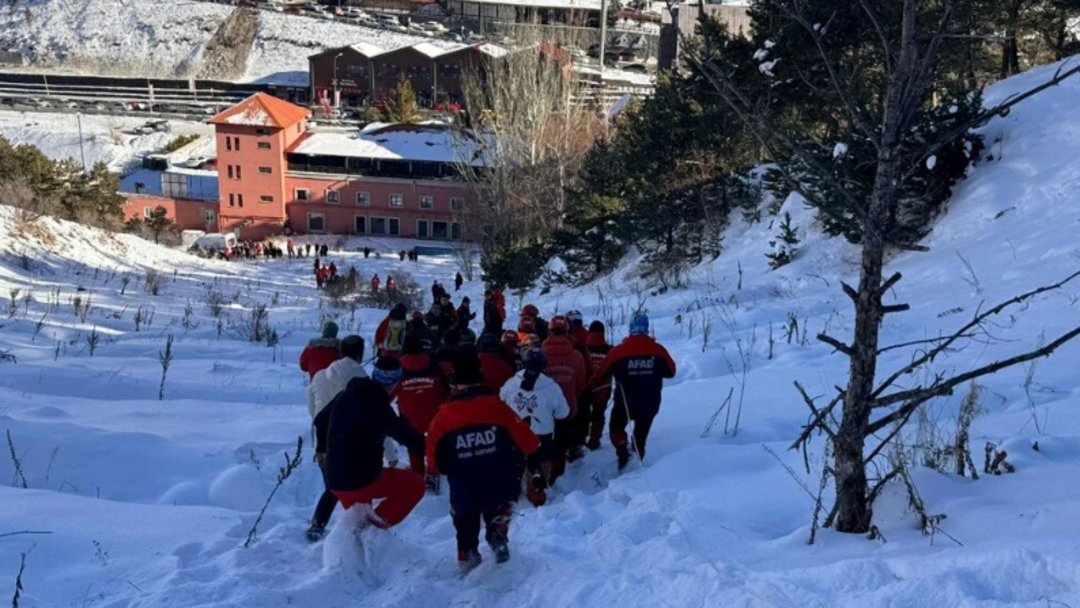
(109, 139)
(144, 38)
(147, 502)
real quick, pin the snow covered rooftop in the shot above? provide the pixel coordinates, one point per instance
(426, 142)
(262, 110)
(433, 50)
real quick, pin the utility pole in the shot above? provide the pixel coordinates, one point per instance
(603, 32)
(82, 152)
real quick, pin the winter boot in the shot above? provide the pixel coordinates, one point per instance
(575, 453)
(497, 536)
(315, 532)
(499, 544)
(534, 489)
(468, 561)
(432, 483)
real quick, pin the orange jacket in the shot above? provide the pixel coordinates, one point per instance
(566, 366)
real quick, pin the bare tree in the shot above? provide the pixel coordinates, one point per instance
(524, 138)
(912, 52)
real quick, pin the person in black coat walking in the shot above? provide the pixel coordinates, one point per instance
(349, 436)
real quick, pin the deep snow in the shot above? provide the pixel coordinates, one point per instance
(109, 139)
(144, 38)
(148, 502)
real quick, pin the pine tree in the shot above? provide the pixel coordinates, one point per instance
(159, 223)
(401, 106)
(784, 246)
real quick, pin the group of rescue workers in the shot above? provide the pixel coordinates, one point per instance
(484, 411)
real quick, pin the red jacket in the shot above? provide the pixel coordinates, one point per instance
(421, 389)
(639, 366)
(318, 355)
(598, 350)
(380, 331)
(496, 370)
(479, 443)
(566, 366)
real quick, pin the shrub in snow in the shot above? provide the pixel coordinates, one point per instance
(784, 246)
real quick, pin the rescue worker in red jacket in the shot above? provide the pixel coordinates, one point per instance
(480, 444)
(423, 387)
(601, 394)
(375, 284)
(322, 351)
(566, 366)
(495, 368)
(639, 366)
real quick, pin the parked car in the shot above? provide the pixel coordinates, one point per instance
(196, 162)
(161, 126)
(434, 27)
(216, 242)
(418, 30)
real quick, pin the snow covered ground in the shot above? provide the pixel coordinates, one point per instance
(147, 502)
(110, 139)
(143, 38)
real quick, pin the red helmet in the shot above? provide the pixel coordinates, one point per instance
(510, 337)
(559, 325)
(417, 315)
(530, 310)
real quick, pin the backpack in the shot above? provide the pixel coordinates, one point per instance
(395, 336)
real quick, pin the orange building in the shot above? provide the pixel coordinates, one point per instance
(277, 176)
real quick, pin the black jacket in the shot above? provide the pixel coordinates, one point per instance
(464, 316)
(493, 321)
(351, 430)
(427, 337)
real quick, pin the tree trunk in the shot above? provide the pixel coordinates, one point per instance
(1010, 52)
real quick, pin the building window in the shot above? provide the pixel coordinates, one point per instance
(457, 203)
(266, 198)
(394, 226)
(396, 200)
(301, 194)
(236, 144)
(427, 201)
(378, 226)
(264, 145)
(147, 212)
(363, 199)
(238, 172)
(209, 216)
(316, 222)
(360, 225)
(229, 167)
(439, 230)
(455, 231)
(232, 199)
(239, 200)
(266, 170)
(228, 143)
(421, 229)
(333, 196)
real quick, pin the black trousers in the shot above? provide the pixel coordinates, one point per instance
(467, 526)
(619, 422)
(327, 502)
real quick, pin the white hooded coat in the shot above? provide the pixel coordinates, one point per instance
(329, 382)
(543, 405)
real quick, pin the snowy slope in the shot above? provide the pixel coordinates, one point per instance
(109, 139)
(148, 502)
(146, 38)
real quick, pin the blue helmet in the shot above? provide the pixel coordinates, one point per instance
(534, 359)
(639, 325)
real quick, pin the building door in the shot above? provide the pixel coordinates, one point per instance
(421, 229)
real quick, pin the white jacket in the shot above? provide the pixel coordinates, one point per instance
(329, 382)
(543, 405)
